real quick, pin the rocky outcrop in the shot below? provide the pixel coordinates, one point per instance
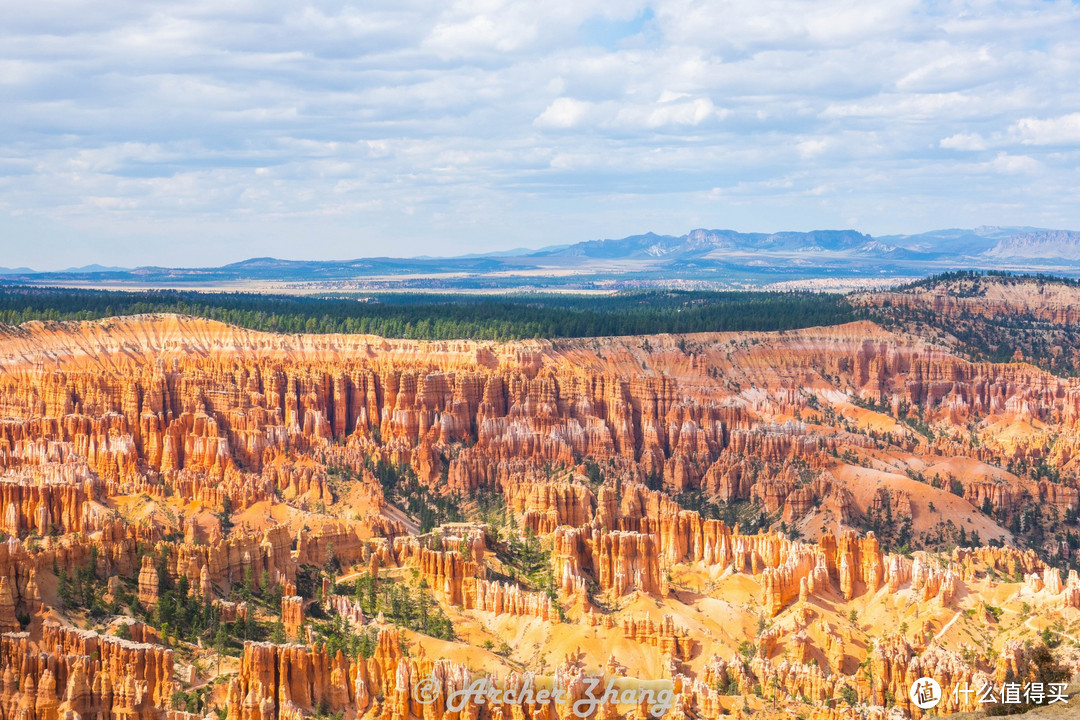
(504, 599)
(1010, 561)
(292, 615)
(346, 541)
(71, 670)
(854, 560)
(895, 666)
(8, 619)
(293, 681)
(346, 607)
(545, 506)
(125, 444)
(803, 573)
(1048, 302)
(230, 560)
(626, 561)
(666, 636)
(45, 507)
(148, 582)
(619, 561)
(288, 681)
(228, 422)
(444, 571)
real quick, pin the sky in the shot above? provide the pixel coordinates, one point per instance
(198, 133)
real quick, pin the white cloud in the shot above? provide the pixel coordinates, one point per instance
(785, 22)
(563, 112)
(945, 68)
(1063, 130)
(671, 114)
(963, 141)
(690, 113)
(812, 148)
(474, 121)
(1014, 164)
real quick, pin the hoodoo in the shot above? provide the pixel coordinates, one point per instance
(768, 522)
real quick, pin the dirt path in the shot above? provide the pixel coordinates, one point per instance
(948, 625)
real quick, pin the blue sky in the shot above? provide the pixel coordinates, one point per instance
(198, 133)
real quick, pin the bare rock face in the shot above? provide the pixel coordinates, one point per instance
(292, 615)
(45, 502)
(626, 561)
(296, 481)
(8, 621)
(666, 636)
(995, 495)
(444, 571)
(129, 447)
(854, 560)
(292, 681)
(545, 506)
(503, 599)
(895, 666)
(344, 540)
(148, 582)
(206, 585)
(70, 670)
(792, 580)
(620, 561)
(280, 681)
(345, 607)
(1054, 303)
(221, 425)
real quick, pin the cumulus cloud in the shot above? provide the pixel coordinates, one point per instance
(963, 141)
(1064, 130)
(689, 113)
(812, 148)
(563, 112)
(1013, 164)
(157, 133)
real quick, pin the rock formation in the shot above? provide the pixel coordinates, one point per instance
(763, 519)
(292, 615)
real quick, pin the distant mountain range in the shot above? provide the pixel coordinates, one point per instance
(700, 258)
(972, 246)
